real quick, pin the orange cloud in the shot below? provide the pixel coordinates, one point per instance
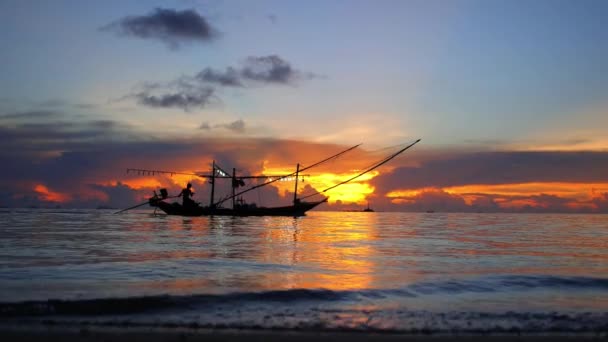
(45, 194)
(573, 196)
(574, 191)
(137, 183)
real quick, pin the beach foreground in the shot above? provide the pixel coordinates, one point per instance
(97, 333)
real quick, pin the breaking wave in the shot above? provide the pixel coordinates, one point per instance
(131, 305)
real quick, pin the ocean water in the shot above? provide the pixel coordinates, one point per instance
(397, 272)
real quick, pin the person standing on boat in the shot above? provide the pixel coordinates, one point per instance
(186, 195)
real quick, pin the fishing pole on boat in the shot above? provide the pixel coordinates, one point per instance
(289, 175)
(160, 172)
(146, 202)
(382, 162)
(133, 207)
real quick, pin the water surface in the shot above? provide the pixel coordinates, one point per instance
(342, 270)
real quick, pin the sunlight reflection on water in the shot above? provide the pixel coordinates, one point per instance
(93, 253)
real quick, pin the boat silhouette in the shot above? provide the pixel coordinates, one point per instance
(239, 207)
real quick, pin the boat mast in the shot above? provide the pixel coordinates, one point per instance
(289, 175)
(234, 184)
(295, 191)
(211, 202)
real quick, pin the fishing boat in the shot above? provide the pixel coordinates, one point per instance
(239, 207)
(248, 209)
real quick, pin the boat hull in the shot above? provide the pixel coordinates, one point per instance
(175, 208)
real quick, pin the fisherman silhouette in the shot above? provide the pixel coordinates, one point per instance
(186, 195)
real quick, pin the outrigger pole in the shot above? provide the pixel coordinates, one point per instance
(139, 205)
(289, 175)
(133, 207)
(382, 162)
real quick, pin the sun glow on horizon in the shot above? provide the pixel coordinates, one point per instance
(353, 192)
(518, 195)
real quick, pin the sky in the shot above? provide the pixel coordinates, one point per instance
(508, 97)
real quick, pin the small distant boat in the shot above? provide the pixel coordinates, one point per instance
(430, 211)
(368, 209)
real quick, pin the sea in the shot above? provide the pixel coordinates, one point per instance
(328, 271)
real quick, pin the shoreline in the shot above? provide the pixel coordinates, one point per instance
(52, 332)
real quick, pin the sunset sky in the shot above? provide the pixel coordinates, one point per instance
(510, 99)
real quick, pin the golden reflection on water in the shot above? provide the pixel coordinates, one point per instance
(139, 254)
(341, 248)
(352, 251)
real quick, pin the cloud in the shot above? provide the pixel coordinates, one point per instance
(53, 103)
(38, 114)
(271, 69)
(170, 26)
(198, 91)
(82, 163)
(272, 18)
(185, 99)
(499, 181)
(229, 78)
(499, 168)
(441, 201)
(237, 126)
(435, 199)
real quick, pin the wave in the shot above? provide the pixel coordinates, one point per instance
(131, 305)
(509, 283)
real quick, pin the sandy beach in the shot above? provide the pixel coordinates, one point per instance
(100, 333)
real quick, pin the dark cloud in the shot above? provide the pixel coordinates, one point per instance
(185, 99)
(271, 69)
(39, 114)
(441, 201)
(237, 126)
(84, 105)
(272, 18)
(487, 142)
(499, 168)
(53, 103)
(83, 160)
(170, 26)
(495, 168)
(601, 202)
(188, 92)
(47, 135)
(228, 78)
(118, 195)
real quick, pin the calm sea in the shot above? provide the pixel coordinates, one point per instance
(329, 270)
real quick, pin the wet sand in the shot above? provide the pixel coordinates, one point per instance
(128, 334)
